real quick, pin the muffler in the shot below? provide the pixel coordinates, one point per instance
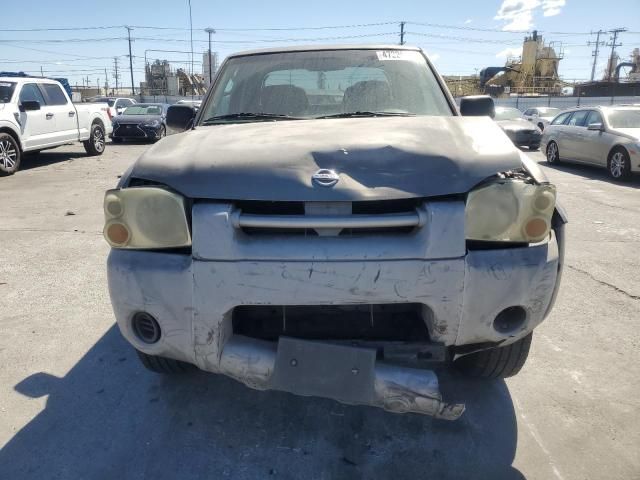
(394, 388)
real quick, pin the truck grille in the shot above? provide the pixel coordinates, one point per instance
(383, 322)
(328, 218)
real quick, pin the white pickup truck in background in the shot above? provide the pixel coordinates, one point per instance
(37, 114)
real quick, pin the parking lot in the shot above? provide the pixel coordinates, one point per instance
(76, 403)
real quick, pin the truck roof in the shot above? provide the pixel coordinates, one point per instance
(28, 79)
(315, 48)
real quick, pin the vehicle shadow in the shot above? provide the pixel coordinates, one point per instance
(109, 418)
(47, 157)
(593, 173)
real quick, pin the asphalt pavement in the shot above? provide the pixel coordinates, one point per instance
(75, 403)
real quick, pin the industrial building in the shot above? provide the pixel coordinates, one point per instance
(162, 79)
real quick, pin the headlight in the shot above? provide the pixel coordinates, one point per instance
(151, 123)
(145, 218)
(510, 211)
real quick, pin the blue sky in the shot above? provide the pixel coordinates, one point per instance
(460, 36)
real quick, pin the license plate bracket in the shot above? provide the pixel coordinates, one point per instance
(312, 368)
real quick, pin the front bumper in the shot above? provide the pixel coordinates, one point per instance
(135, 131)
(524, 138)
(193, 296)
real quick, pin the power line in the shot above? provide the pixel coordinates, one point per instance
(59, 29)
(463, 39)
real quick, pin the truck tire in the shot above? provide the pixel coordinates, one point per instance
(500, 362)
(164, 365)
(95, 145)
(10, 154)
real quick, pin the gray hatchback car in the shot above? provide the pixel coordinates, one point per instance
(329, 224)
(602, 136)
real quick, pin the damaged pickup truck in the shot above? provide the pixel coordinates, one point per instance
(330, 224)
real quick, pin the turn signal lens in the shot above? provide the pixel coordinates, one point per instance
(145, 218)
(117, 234)
(510, 211)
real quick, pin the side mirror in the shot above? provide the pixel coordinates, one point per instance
(180, 117)
(596, 126)
(29, 105)
(477, 106)
(119, 110)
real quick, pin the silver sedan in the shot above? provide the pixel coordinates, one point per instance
(603, 136)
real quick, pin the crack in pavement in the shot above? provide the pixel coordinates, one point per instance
(602, 282)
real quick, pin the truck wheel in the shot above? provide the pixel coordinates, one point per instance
(164, 365)
(95, 145)
(9, 155)
(500, 362)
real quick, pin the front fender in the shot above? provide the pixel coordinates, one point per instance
(11, 127)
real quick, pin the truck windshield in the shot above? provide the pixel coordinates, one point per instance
(6, 91)
(325, 83)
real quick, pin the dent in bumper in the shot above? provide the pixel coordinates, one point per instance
(193, 300)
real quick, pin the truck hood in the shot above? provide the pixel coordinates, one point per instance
(375, 158)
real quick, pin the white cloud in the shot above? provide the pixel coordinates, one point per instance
(509, 52)
(551, 8)
(434, 57)
(517, 13)
(468, 21)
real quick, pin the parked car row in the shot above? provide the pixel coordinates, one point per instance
(607, 136)
(602, 136)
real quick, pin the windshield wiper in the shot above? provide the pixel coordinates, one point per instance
(249, 116)
(369, 114)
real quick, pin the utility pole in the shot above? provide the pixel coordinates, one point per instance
(133, 90)
(402, 33)
(191, 82)
(613, 46)
(210, 31)
(41, 72)
(106, 82)
(115, 61)
(594, 54)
